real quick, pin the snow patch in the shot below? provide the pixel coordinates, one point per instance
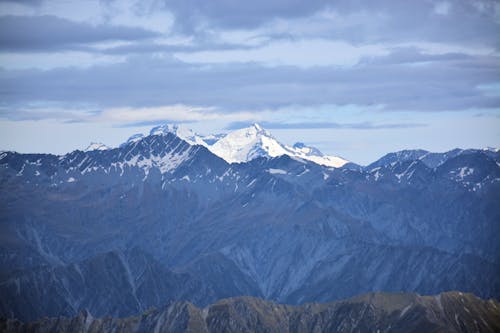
(464, 172)
(277, 171)
(405, 310)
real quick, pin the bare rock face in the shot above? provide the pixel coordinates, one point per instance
(375, 312)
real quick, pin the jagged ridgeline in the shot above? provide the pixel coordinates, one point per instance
(174, 216)
(381, 312)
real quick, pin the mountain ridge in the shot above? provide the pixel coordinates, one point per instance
(373, 312)
(244, 144)
(282, 228)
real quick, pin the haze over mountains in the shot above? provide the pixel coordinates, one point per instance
(164, 217)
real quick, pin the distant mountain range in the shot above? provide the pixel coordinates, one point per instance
(239, 146)
(380, 312)
(163, 218)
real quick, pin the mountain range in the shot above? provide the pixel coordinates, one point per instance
(241, 145)
(174, 216)
(378, 312)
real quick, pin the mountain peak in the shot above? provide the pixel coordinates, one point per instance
(299, 145)
(307, 150)
(254, 129)
(257, 127)
(251, 142)
(180, 131)
(244, 144)
(248, 143)
(97, 146)
(176, 129)
(492, 149)
(134, 138)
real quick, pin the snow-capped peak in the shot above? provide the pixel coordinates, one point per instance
(135, 138)
(257, 127)
(245, 144)
(313, 154)
(97, 146)
(492, 149)
(306, 150)
(248, 143)
(182, 132)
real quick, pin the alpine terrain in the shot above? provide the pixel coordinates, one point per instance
(189, 224)
(381, 312)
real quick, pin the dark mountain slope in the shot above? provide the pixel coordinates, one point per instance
(280, 228)
(379, 312)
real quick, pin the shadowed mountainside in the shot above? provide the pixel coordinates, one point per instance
(374, 312)
(157, 220)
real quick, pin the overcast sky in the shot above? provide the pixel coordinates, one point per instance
(354, 78)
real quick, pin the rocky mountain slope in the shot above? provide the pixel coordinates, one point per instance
(158, 219)
(379, 312)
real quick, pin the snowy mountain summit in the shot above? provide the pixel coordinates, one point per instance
(245, 144)
(96, 146)
(313, 154)
(248, 143)
(180, 131)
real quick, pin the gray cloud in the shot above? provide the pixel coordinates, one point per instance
(151, 47)
(446, 83)
(34, 33)
(153, 123)
(23, 2)
(238, 14)
(323, 125)
(26, 113)
(412, 55)
(470, 22)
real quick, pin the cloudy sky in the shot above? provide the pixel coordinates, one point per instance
(353, 78)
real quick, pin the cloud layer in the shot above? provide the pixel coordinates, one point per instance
(402, 81)
(51, 33)
(288, 64)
